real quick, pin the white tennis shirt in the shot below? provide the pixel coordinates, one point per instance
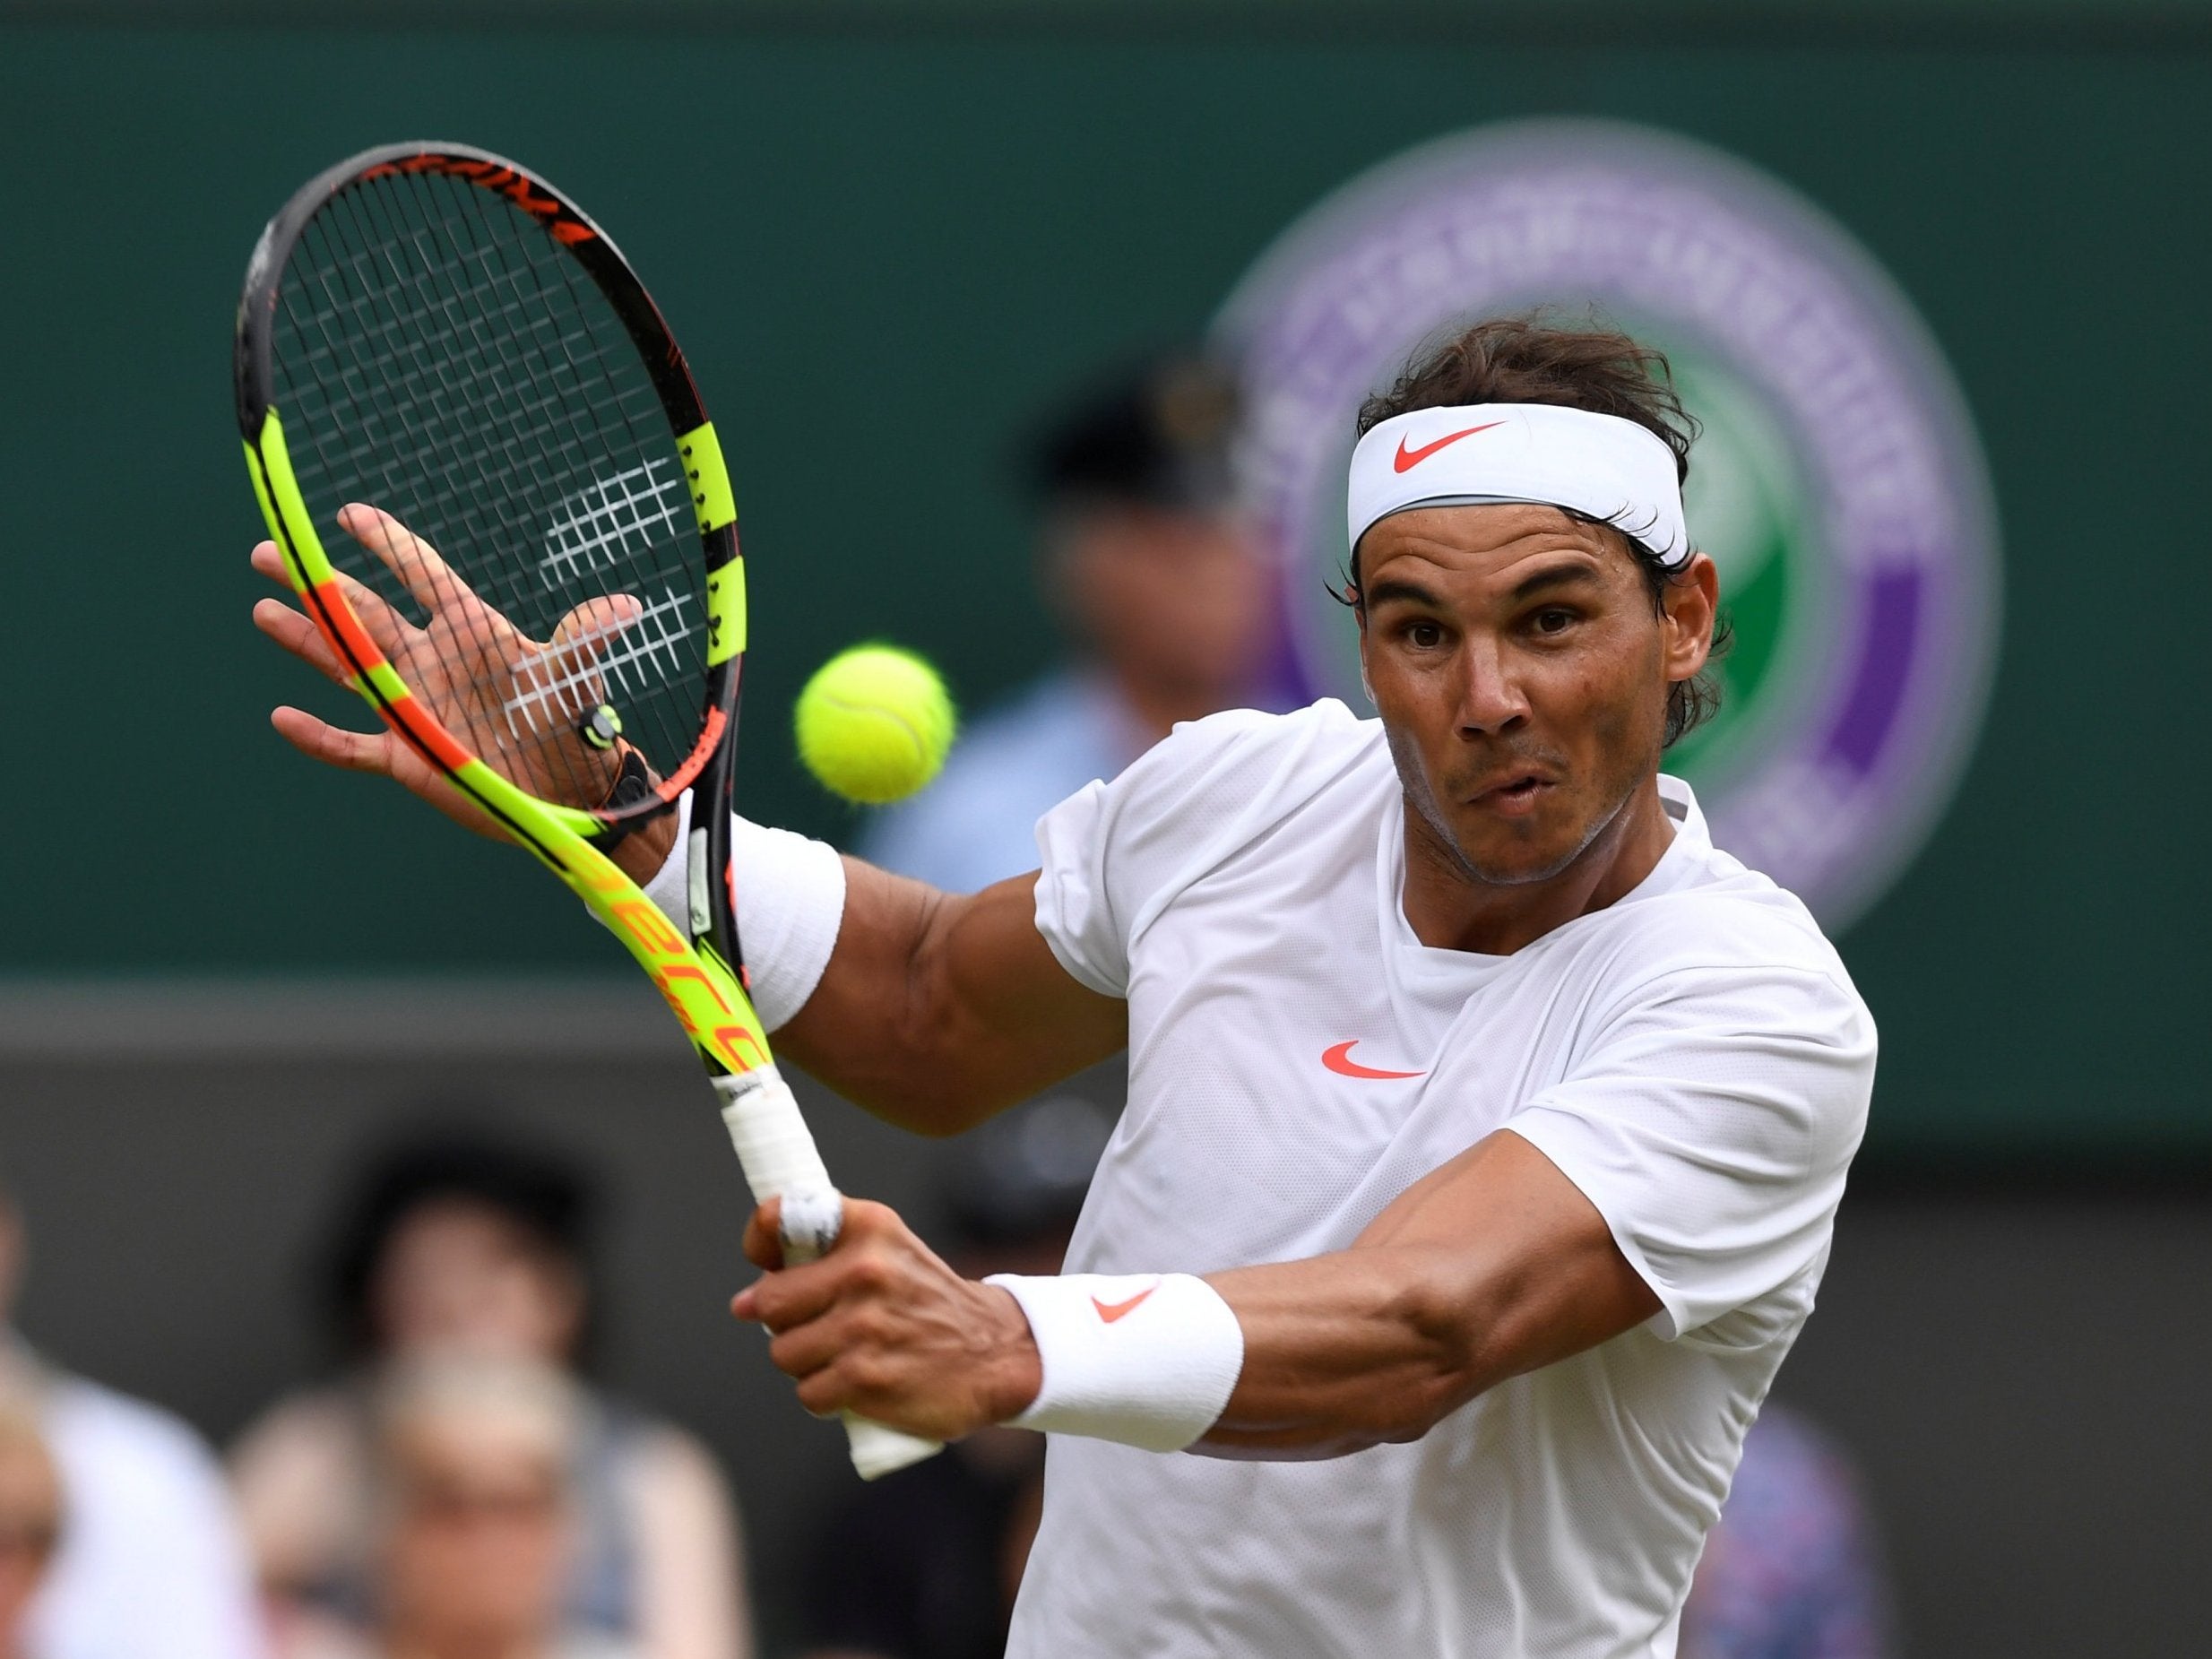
(1694, 1059)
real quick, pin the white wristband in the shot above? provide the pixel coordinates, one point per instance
(790, 895)
(1149, 1359)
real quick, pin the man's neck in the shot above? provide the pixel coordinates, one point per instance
(1449, 908)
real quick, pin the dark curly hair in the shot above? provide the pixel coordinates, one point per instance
(1533, 359)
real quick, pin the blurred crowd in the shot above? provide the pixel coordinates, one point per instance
(458, 1487)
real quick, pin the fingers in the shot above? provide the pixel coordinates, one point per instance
(384, 755)
(763, 1238)
(886, 1330)
(268, 558)
(563, 678)
(570, 666)
(301, 637)
(582, 636)
(390, 630)
(384, 625)
(793, 1296)
(414, 561)
(351, 751)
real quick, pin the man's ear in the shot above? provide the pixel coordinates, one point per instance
(1689, 604)
(1359, 616)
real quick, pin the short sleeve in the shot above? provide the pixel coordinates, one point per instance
(1711, 1123)
(1074, 912)
(1112, 856)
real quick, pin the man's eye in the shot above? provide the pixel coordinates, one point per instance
(1554, 621)
(1424, 636)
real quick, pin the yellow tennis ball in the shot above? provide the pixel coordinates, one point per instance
(874, 725)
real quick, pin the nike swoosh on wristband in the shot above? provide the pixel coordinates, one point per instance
(1110, 1311)
(1406, 460)
(1339, 1060)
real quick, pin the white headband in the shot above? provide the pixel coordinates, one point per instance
(1600, 466)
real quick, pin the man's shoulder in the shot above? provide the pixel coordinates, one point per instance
(1217, 785)
(1726, 919)
(1248, 749)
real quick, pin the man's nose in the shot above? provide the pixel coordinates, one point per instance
(1491, 700)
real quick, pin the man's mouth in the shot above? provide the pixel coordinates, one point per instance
(1512, 795)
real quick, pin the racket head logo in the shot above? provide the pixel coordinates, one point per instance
(563, 221)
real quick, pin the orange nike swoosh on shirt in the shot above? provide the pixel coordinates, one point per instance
(1339, 1060)
(1110, 1311)
(1406, 460)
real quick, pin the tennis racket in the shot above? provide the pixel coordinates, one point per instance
(548, 604)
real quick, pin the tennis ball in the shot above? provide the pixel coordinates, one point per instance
(874, 725)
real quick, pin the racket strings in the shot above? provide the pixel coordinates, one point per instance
(439, 357)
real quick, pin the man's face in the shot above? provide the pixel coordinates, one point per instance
(1522, 678)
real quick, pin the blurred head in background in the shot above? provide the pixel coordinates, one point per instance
(460, 1473)
(30, 1518)
(476, 1522)
(1155, 572)
(457, 1244)
(1166, 597)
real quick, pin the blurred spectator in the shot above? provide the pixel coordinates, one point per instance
(470, 1246)
(30, 1522)
(150, 1562)
(1164, 593)
(1793, 1570)
(476, 1522)
(923, 1564)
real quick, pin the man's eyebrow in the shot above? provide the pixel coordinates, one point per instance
(1398, 588)
(1579, 573)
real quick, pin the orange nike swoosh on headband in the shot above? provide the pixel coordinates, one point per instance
(1110, 1311)
(1339, 1060)
(1406, 460)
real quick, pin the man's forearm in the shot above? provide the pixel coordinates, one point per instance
(1491, 1267)
(931, 1009)
(1344, 1351)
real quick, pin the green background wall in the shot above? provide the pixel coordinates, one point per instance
(918, 236)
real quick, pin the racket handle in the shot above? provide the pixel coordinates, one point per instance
(781, 1161)
(877, 1450)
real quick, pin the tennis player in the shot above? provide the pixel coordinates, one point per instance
(1486, 1123)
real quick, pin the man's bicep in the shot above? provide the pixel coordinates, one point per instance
(1012, 992)
(938, 1009)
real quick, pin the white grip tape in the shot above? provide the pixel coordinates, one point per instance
(772, 1141)
(1147, 1359)
(781, 1161)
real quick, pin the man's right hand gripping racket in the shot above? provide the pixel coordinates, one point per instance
(497, 496)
